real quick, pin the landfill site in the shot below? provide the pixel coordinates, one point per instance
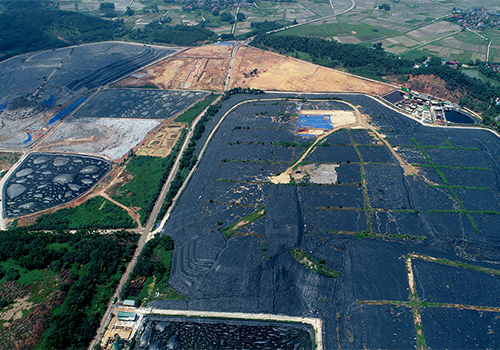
(317, 215)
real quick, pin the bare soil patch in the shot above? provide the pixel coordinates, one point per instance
(277, 72)
(161, 143)
(200, 68)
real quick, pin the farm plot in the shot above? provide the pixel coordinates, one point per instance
(139, 103)
(46, 180)
(366, 228)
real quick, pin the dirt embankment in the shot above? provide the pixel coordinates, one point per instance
(432, 85)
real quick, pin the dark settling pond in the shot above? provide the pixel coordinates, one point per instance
(457, 117)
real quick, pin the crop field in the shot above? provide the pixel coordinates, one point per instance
(46, 180)
(363, 221)
(138, 103)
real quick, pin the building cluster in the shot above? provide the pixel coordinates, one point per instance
(424, 107)
(477, 18)
(213, 5)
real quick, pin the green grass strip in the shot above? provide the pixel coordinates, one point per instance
(234, 228)
(366, 199)
(189, 115)
(440, 147)
(451, 167)
(443, 178)
(455, 263)
(463, 187)
(303, 257)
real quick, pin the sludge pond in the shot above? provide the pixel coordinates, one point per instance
(45, 180)
(162, 332)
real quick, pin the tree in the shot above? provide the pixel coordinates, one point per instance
(107, 6)
(226, 17)
(129, 12)
(240, 16)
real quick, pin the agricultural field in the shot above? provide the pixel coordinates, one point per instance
(410, 209)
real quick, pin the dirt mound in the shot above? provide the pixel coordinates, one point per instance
(432, 85)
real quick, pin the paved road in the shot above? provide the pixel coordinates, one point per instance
(145, 232)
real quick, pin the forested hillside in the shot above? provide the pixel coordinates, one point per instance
(60, 283)
(27, 28)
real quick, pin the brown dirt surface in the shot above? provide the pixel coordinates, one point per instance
(24, 332)
(8, 159)
(431, 85)
(278, 72)
(161, 142)
(200, 68)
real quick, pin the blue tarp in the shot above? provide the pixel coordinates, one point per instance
(3, 106)
(28, 139)
(66, 111)
(315, 121)
(50, 101)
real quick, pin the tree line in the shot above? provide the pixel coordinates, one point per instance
(374, 62)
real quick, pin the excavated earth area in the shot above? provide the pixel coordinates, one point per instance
(364, 225)
(199, 68)
(284, 73)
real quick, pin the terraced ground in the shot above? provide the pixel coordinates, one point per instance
(400, 243)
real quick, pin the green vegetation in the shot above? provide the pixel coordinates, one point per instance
(72, 278)
(447, 184)
(96, 213)
(234, 228)
(148, 175)
(303, 257)
(455, 264)
(295, 144)
(179, 34)
(153, 268)
(464, 187)
(366, 199)
(375, 63)
(189, 115)
(27, 26)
